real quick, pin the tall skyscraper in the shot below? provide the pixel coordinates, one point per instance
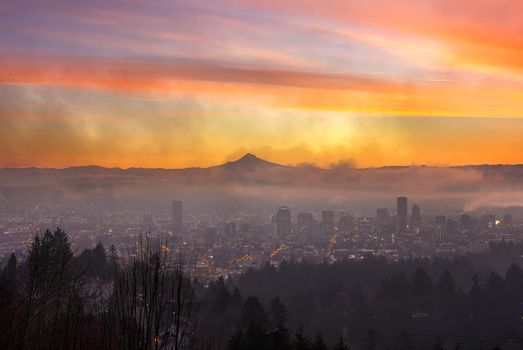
(382, 216)
(211, 235)
(346, 221)
(401, 209)
(283, 221)
(327, 221)
(416, 218)
(177, 217)
(305, 223)
(465, 221)
(440, 222)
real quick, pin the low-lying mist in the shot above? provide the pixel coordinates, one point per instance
(252, 183)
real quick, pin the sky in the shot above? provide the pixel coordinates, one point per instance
(176, 84)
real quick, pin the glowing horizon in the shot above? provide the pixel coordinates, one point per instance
(176, 84)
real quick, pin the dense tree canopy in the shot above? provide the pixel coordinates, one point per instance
(51, 298)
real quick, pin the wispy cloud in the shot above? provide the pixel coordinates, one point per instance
(104, 73)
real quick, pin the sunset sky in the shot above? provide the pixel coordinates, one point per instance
(196, 83)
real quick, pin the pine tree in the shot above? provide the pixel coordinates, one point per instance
(319, 343)
(446, 288)
(438, 345)
(253, 313)
(341, 344)
(99, 260)
(421, 283)
(371, 340)
(10, 271)
(279, 317)
(236, 296)
(405, 341)
(278, 312)
(236, 341)
(514, 282)
(255, 320)
(301, 340)
(50, 288)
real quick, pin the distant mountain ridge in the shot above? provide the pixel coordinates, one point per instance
(258, 179)
(252, 162)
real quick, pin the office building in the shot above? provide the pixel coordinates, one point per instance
(283, 221)
(327, 221)
(416, 219)
(346, 221)
(401, 210)
(305, 222)
(382, 216)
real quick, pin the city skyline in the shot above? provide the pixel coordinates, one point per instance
(261, 174)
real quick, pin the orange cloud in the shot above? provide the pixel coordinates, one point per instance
(477, 33)
(277, 88)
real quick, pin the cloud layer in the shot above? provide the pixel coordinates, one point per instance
(184, 83)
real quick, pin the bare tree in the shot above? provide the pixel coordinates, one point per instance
(153, 303)
(150, 302)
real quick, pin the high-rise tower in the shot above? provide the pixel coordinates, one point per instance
(416, 218)
(283, 221)
(305, 223)
(382, 216)
(401, 208)
(327, 221)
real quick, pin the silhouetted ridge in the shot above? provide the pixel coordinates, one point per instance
(250, 161)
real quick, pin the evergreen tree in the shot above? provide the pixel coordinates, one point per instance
(278, 313)
(255, 320)
(236, 341)
(446, 288)
(319, 343)
(475, 298)
(301, 340)
(219, 295)
(371, 340)
(253, 312)
(438, 345)
(278, 318)
(514, 282)
(498, 305)
(341, 344)
(99, 260)
(51, 291)
(404, 341)
(236, 296)
(446, 293)
(421, 283)
(10, 271)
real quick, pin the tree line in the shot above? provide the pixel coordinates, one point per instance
(468, 301)
(51, 298)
